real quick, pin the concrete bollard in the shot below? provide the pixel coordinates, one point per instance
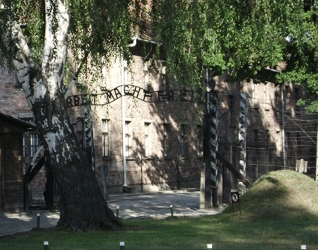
(117, 212)
(46, 245)
(122, 245)
(38, 221)
(209, 246)
(171, 210)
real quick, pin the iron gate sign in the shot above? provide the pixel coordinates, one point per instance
(109, 96)
(235, 197)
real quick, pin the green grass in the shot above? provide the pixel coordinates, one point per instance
(277, 212)
(194, 233)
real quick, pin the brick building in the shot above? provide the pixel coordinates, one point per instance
(136, 143)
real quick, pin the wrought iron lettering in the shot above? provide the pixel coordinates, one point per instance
(109, 96)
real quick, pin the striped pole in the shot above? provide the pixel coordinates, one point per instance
(242, 133)
(210, 147)
(214, 98)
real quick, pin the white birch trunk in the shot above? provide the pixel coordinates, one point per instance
(82, 203)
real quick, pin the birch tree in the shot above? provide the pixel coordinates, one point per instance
(241, 36)
(82, 204)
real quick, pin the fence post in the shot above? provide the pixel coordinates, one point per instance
(171, 210)
(38, 221)
(117, 212)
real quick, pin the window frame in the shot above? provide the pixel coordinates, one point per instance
(199, 143)
(127, 131)
(183, 140)
(147, 139)
(166, 143)
(105, 138)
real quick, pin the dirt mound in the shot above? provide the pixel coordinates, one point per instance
(279, 195)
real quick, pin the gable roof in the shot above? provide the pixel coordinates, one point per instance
(19, 122)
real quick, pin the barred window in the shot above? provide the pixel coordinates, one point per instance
(183, 139)
(147, 143)
(34, 144)
(199, 141)
(31, 141)
(166, 147)
(164, 81)
(231, 110)
(146, 75)
(105, 139)
(127, 139)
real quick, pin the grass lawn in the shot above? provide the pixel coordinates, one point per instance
(280, 211)
(223, 231)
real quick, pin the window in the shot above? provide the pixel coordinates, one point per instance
(288, 98)
(34, 144)
(253, 96)
(105, 138)
(266, 97)
(166, 147)
(25, 148)
(164, 80)
(147, 143)
(231, 110)
(267, 140)
(256, 146)
(199, 141)
(127, 139)
(146, 75)
(31, 141)
(31, 144)
(183, 140)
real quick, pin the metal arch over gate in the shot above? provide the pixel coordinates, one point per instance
(109, 96)
(211, 155)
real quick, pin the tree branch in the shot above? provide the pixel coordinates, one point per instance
(55, 44)
(21, 59)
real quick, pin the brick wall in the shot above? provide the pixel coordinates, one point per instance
(159, 172)
(12, 99)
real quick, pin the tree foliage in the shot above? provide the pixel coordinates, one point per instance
(245, 36)
(249, 38)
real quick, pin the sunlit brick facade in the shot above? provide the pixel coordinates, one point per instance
(141, 145)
